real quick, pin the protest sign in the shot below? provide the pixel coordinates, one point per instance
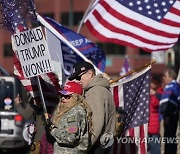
(32, 51)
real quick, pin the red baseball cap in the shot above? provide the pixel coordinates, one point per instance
(72, 87)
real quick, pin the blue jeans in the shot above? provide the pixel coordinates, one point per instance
(154, 144)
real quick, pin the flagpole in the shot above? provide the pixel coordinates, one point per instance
(42, 98)
(38, 81)
(84, 16)
(178, 77)
(62, 38)
(133, 71)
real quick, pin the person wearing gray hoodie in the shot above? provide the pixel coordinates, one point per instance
(99, 97)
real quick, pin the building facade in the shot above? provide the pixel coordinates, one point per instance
(69, 13)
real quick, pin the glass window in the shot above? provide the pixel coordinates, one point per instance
(144, 53)
(64, 18)
(7, 95)
(76, 17)
(8, 52)
(112, 49)
(51, 15)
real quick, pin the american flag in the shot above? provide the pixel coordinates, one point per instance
(132, 94)
(14, 14)
(149, 24)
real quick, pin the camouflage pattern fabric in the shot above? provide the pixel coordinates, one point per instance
(71, 133)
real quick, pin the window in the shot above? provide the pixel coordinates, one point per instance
(64, 18)
(76, 18)
(7, 94)
(8, 52)
(112, 49)
(144, 53)
(51, 15)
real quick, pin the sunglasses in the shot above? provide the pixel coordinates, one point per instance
(79, 76)
(66, 96)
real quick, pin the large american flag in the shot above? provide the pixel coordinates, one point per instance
(133, 95)
(148, 24)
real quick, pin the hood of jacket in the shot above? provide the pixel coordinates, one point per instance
(98, 80)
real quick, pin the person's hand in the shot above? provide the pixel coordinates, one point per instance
(18, 100)
(49, 126)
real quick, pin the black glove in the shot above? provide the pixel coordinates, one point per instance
(48, 127)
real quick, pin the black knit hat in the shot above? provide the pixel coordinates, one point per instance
(80, 68)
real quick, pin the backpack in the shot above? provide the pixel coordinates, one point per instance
(120, 121)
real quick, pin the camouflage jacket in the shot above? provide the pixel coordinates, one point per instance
(71, 133)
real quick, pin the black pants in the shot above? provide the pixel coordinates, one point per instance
(170, 134)
(97, 149)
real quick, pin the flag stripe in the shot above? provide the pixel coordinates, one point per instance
(175, 12)
(120, 96)
(169, 22)
(116, 96)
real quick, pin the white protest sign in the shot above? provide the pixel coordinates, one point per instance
(32, 50)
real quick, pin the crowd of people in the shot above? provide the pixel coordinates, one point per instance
(164, 106)
(86, 111)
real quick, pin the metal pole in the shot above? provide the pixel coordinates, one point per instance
(133, 71)
(70, 21)
(84, 16)
(33, 9)
(42, 98)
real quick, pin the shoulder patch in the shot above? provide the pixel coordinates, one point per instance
(72, 129)
(71, 119)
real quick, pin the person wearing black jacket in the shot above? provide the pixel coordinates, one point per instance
(169, 108)
(34, 113)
